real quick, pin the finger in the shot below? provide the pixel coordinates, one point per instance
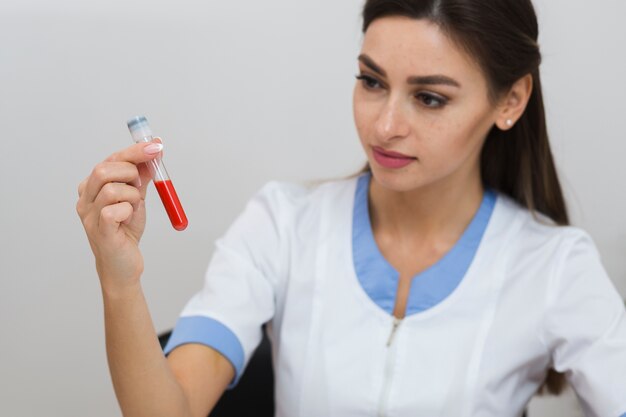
(158, 139)
(146, 177)
(137, 153)
(139, 211)
(106, 172)
(81, 206)
(111, 217)
(115, 192)
(81, 186)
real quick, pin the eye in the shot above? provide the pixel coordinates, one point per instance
(431, 101)
(368, 82)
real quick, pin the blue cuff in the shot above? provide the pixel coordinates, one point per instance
(212, 333)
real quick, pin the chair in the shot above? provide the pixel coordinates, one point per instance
(254, 394)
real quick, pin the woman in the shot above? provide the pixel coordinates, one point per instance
(441, 280)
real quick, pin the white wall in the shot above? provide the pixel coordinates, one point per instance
(242, 92)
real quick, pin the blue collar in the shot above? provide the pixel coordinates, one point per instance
(428, 288)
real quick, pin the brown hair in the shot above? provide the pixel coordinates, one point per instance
(501, 36)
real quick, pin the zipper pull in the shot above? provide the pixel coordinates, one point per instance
(396, 323)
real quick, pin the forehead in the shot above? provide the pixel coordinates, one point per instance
(406, 46)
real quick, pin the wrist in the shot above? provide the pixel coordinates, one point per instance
(120, 292)
(116, 280)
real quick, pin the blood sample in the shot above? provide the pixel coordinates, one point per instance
(141, 132)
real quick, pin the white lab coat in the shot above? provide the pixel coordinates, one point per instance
(529, 296)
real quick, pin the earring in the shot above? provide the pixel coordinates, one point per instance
(509, 122)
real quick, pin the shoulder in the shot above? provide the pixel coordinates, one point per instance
(298, 190)
(536, 236)
(298, 198)
(548, 262)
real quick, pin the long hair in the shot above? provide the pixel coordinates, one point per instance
(501, 36)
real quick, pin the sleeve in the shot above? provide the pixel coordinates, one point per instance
(585, 329)
(227, 314)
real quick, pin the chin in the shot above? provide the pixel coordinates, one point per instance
(400, 180)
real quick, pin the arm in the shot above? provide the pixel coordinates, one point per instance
(112, 209)
(585, 329)
(188, 383)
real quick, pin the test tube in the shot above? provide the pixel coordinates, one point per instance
(141, 132)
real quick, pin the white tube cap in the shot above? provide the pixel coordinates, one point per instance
(139, 128)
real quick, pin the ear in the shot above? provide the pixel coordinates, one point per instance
(514, 102)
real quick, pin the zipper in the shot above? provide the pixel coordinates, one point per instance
(389, 366)
(394, 327)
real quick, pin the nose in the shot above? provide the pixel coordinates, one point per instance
(392, 121)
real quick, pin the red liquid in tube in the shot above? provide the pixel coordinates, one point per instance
(172, 204)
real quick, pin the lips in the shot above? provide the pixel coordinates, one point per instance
(385, 160)
(392, 154)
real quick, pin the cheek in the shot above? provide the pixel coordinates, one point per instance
(454, 139)
(467, 130)
(363, 114)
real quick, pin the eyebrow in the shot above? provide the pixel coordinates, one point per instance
(422, 80)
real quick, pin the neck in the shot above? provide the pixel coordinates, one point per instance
(438, 212)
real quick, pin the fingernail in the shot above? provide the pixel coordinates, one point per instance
(153, 148)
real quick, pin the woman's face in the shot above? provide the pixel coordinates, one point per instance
(422, 96)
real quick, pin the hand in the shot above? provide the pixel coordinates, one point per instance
(112, 209)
